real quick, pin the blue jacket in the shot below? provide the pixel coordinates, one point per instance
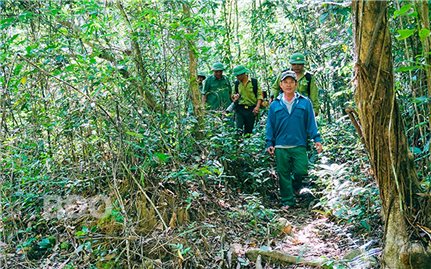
(284, 129)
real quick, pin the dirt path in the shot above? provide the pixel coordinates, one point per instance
(300, 232)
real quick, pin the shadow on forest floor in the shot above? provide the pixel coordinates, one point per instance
(298, 238)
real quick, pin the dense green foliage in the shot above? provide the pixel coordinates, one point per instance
(94, 102)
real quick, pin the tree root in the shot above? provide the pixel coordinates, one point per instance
(280, 257)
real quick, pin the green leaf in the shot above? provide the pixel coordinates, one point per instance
(403, 10)
(415, 150)
(7, 22)
(84, 231)
(365, 224)
(162, 157)
(407, 68)
(404, 33)
(64, 245)
(424, 33)
(63, 31)
(135, 134)
(46, 243)
(55, 11)
(18, 69)
(420, 100)
(70, 68)
(323, 17)
(10, 40)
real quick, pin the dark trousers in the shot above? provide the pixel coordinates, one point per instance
(245, 119)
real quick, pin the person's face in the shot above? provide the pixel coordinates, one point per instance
(240, 77)
(218, 74)
(297, 68)
(200, 79)
(288, 85)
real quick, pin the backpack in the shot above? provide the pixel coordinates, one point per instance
(253, 83)
(308, 78)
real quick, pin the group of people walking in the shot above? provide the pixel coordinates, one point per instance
(291, 118)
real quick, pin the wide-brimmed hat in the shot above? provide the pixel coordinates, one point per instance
(239, 70)
(218, 66)
(297, 58)
(202, 74)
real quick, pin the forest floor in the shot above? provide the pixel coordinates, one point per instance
(233, 227)
(229, 229)
(298, 238)
(224, 228)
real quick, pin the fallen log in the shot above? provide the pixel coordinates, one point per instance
(275, 256)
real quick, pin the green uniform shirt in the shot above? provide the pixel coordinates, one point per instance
(302, 89)
(247, 95)
(217, 92)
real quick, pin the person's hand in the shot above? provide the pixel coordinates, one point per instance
(235, 97)
(271, 150)
(319, 147)
(256, 110)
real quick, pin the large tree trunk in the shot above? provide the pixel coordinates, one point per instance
(385, 139)
(423, 12)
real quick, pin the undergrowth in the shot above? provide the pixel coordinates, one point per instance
(153, 195)
(348, 192)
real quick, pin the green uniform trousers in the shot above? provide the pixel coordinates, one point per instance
(292, 165)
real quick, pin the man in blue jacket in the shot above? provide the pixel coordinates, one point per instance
(290, 120)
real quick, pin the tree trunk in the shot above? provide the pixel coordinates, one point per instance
(385, 140)
(227, 18)
(193, 63)
(423, 14)
(149, 100)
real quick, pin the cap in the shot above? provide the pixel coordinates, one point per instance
(218, 66)
(239, 70)
(297, 58)
(288, 74)
(202, 74)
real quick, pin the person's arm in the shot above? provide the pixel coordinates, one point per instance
(233, 95)
(312, 130)
(314, 96)
(259, 100)
(269, 134)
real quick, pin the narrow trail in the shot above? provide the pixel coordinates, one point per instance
(302, 234)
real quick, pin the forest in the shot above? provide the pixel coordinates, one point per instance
(110, 159)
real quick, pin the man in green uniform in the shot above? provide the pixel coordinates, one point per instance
(306, 82)
(217, 90)
(248, 96)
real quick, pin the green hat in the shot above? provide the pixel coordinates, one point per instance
(239, 70)
(202, 74)
(297, 58)
(218, 66)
